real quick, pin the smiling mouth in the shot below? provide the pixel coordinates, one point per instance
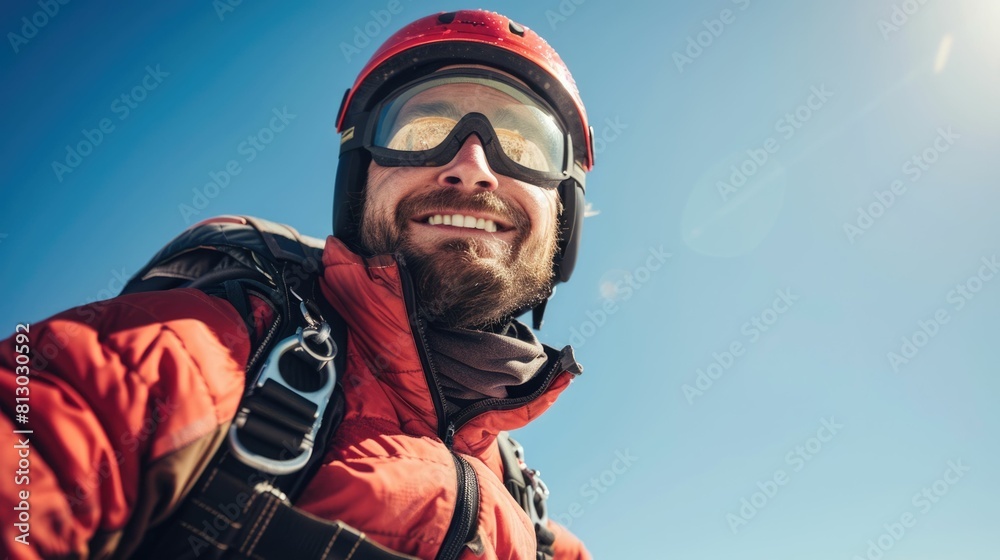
(459, 220)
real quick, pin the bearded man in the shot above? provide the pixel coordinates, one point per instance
(458, 206)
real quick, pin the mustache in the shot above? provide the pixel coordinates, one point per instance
(435, 199)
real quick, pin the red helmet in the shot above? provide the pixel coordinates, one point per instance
(465, 37)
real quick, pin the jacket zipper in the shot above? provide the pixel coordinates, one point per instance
(266, 341)
(418, 327)
(470, 412)
(463, 521)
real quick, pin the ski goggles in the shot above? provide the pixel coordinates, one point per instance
(426, 122)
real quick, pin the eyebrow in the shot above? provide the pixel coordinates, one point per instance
(504, 116)
(431, 108)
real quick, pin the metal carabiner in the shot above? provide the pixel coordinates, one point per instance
(320, 397)
(320, 335)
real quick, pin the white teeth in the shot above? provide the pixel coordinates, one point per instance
(460, 220)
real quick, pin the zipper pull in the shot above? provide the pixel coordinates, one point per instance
(449, 435)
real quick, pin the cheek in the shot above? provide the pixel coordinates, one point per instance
(378, 192)
(545, 215)
(387, 186)
(378, 179)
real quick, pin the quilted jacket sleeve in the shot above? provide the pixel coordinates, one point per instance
(567, 545)
(125, 399)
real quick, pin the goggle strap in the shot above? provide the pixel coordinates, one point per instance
(354, 133)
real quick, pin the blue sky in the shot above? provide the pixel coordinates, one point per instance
(790, 278)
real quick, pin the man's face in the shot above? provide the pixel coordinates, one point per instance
(465, 276)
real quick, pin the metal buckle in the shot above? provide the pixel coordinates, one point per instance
(535, 487)
(320, 398)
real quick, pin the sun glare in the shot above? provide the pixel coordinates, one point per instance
(944, 51)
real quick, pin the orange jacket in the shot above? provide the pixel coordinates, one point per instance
(128, 397)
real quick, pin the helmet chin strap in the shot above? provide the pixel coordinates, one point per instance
(537, 312)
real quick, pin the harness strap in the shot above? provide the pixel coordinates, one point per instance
(230, 519)
(314, 537)
(526, 486)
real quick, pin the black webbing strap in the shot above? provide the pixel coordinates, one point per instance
(276, 522)
(523, 484)
(260, 524)
(513, 478)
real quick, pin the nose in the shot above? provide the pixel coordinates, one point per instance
(469, 168)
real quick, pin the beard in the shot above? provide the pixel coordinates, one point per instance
(463, 282)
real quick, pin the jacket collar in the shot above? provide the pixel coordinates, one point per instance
(371, 295)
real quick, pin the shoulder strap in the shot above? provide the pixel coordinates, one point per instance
(246, 261)
(526, 486)
(241, 505)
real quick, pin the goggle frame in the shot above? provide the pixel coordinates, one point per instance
(470, 123)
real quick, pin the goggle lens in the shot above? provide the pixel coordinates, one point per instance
(422, 117)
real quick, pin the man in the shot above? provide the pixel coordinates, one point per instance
(458, 205)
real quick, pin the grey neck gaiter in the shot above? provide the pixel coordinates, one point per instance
(474, 364)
